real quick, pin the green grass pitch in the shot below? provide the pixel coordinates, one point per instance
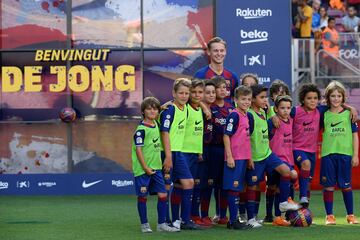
(115, 217)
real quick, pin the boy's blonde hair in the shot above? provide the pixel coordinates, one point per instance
(333, 86)
(242, 91)
(181, 82)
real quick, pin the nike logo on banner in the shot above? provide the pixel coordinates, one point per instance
(286, 135)
(181, 122)
(264, 131)
(87, 185)
(307, 123)
(335, 124)
(197, 122)
(155, 140)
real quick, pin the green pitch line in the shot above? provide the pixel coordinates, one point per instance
(115, 217)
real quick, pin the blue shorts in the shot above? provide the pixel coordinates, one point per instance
(256, 175)
(192, 160)
(216, 166)
(149, 183)
(180, 168)
(300, 156)
(336, 169)
(234, 178)
(273, 178)
(203, 168)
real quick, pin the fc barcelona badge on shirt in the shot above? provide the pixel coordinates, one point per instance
(167, 176)
(254, 178)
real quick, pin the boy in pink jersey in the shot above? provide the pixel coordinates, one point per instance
(237, 153)
(281, 144)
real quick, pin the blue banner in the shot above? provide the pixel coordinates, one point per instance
(66, 184)
(258, 34)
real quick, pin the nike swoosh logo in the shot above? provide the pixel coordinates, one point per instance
(307, 123)
(197, 122)
(181, 122)
(155, 140)
(286, 135)
(264, 131)
(87, 185)
(335, 124)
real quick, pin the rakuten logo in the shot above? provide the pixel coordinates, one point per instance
(253, 13)
(120, 183)
(253, 36)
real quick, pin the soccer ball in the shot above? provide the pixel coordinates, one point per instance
(67, 114)
(300, 218)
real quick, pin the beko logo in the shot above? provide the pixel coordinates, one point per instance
(253, 13)
(253, 36)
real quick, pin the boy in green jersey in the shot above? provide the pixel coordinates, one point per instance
(173, 122)
(339, 152)
(146, 163)
(263, 160)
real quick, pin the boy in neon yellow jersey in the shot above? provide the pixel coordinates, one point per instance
(339, 152)
(173, 126)
(146, 162)
(263, 160)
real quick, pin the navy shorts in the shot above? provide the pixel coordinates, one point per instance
(180, 168)
(216, 166)
(336, 169)
(300, 156)
(192, 160)
(256, 175)
(234, 178)
(145, 184)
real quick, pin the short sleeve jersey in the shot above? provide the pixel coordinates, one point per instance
(237, 128)
(232, 80)
(219, 115)
(173, 120)
(148, 138)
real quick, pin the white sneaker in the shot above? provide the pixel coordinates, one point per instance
(261, 221)
(145, 228)
(242, 218)
(177, 224)
(304, 201)
(289, 206)
(163, 227)
(253, 223)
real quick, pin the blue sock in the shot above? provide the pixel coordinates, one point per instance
(250, 203)
(175, 203)
(292, 191)
(223, 203)
(284, 187)
(186, 205)
(141, 205)
(167, 209)
(276, 205)
(304, 182)
(195, 202)
(233, 201)
(348, 200)
(161, 209)
(270, 194)
(328, 197)
(205, 201)
(257, 202)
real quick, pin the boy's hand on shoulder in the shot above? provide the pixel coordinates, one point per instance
(353, 114)
(355, 161)
(207, 113)
(250, 164)
(166, 105)
(276, 121)
(230, 162)
(149, 171)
